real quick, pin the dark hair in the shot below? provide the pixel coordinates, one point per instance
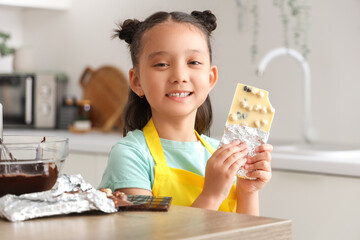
(137, 110)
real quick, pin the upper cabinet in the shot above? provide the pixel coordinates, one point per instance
(42, 4)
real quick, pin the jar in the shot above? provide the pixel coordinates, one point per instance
(84, 109)
(83, 119)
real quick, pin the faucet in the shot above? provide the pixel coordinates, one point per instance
(308, 133)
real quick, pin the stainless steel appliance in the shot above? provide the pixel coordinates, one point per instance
(31, 99)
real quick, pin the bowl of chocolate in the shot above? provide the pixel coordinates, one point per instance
(30, 163)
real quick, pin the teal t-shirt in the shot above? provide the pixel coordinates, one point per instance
(131, 165)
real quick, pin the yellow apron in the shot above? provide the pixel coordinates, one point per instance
(183, 186)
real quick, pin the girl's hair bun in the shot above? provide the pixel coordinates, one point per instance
(207, 18)
(127, 30)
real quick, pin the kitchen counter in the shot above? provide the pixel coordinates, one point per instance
(308, 158)
(179, 223)
(94, 141)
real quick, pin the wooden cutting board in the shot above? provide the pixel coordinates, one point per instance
(107, 89)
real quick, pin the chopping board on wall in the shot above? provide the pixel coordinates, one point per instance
(107, 89)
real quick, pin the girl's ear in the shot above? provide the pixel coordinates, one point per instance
(135, 83)
(213, 76)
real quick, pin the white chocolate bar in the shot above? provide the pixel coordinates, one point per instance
(251, 108)
(249, 120)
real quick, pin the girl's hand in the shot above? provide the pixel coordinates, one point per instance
(259, 167)
(221, 170)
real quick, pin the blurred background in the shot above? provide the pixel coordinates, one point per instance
(80, 36)
(69, 36)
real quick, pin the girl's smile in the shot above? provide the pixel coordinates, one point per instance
(178, 95)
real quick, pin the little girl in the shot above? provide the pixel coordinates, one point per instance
(165, 151)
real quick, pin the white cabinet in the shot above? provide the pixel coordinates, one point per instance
(44, 4)
(89, 165)
(320, 206)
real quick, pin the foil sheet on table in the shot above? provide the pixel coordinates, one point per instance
(253, 137)
(71, 194)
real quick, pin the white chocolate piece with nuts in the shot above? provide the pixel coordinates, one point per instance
(251, 107)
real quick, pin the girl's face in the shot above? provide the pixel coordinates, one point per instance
(174, 70)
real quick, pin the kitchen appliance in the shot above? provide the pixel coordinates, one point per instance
(31, 100)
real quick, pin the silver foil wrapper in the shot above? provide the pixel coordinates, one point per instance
(71, 194)
(252, 136)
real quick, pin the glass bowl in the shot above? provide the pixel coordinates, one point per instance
(31, 163)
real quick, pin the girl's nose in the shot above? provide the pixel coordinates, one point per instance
(179, 74)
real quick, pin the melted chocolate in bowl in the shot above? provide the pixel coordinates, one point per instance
(31, 163)
(44, 178)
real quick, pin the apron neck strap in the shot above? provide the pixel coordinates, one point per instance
(205, 143)
(153, 141)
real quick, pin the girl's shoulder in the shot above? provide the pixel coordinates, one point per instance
(133, 140)
(133, 137)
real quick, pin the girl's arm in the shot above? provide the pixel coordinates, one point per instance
(247, 190)
(220, 172)
(247, 203)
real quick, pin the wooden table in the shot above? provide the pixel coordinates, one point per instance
(178, 223)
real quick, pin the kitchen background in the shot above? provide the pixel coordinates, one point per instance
(78, 36)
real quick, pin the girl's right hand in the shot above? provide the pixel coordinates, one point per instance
(221, 170)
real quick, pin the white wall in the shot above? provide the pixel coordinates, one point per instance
(11, 22)
(71, 40)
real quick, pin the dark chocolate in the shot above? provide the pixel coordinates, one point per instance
(21, 183)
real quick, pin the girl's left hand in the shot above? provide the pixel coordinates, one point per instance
(259, 167)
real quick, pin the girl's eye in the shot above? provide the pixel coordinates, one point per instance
(161, 65)
(195, 63)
